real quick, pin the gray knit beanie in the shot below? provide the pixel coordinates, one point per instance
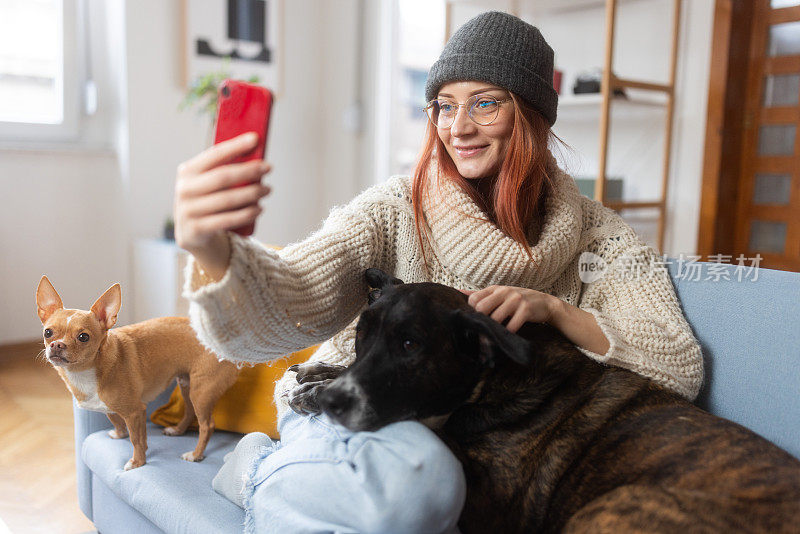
(502, 49)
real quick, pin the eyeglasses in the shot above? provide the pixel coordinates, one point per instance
(482, 109)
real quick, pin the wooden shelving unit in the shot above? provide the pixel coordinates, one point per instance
(612, 82)
(659, 95)
(596, 99)
(588, 107)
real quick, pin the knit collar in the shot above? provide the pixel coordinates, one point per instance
(467, 244)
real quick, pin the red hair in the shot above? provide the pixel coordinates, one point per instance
(517, 198)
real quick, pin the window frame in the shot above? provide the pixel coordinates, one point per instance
(29, 133)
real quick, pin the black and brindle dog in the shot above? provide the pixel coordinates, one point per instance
(550, 440)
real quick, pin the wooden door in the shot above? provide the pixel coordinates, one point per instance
(767, 208)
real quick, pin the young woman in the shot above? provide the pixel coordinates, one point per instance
(487, 211)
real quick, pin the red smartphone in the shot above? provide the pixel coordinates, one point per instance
(243, 107)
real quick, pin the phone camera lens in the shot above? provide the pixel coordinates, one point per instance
(226, 91)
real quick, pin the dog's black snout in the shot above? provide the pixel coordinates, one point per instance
(337, 402)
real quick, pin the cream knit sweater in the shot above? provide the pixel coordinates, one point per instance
(271, 303)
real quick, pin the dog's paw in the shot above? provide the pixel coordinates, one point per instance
(172, 431)
(316, 371)
(113, 434)
(190, 457)
(132, 464)
(303, 398)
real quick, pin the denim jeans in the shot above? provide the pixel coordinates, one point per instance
(323, 478)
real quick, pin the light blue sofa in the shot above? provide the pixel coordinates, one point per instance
(749, 331)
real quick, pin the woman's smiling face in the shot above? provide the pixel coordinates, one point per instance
(477, 151)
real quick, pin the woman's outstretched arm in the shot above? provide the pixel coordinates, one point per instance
(249, 303)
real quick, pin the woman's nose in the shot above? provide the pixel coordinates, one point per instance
(462, 124)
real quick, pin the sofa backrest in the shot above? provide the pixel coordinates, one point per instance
(748, 325)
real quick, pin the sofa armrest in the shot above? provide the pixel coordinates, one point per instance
(88, 422)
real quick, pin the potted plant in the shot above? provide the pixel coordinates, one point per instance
(203, 93)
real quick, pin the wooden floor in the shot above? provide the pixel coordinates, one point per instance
(37, 454)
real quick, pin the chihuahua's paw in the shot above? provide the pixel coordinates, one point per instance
(172, 431)
(114, 434)
(190, 457)
(132, 464)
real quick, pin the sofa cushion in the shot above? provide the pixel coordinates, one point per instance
(247, 406)
(174, 494)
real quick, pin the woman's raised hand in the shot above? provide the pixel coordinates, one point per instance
(207, 204)
(517, 304)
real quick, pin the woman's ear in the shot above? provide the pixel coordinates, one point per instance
(378, 281)
(478, 333)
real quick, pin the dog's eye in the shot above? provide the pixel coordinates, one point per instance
(410, 345)
(83, 337)
(48, 332)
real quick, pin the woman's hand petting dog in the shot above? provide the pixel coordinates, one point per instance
(312, 378)
(518, 305)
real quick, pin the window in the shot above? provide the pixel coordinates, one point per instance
(416, 28)
(38, 78)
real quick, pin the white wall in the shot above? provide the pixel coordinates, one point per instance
(60, 217)
(346, 113)
(683, 216)
(62, 206)
(160, 138)
(74, 214)
(316, 161)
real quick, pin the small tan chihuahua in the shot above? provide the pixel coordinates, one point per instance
(118, 371)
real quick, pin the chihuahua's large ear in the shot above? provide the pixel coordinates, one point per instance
(107, 306)
(379, 281)
(47, 299)
(479, 334)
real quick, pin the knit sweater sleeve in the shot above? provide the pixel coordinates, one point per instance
(635, 305)
(270, 303)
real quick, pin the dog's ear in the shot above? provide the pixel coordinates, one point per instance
(47, 299)
(478, 333)
(379, 281)
(107, 306)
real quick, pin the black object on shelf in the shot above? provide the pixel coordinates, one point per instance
(591, 83)
(169, 230)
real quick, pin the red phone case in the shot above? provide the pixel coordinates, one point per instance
(243, 107)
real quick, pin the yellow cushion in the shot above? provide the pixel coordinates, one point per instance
(247, 406)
